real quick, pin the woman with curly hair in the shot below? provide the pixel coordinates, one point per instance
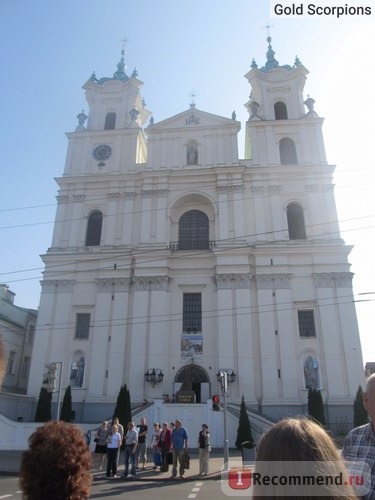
(57, 464)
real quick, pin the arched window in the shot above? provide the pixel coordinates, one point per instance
(192, 153)
(94, 228)
(193, 231)
(296, 222)
(110, 121)
(288, 154)
(281, 112)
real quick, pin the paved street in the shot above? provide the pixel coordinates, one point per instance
(148, 484)
(136, 490)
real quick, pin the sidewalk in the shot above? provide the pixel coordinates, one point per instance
(10, 463)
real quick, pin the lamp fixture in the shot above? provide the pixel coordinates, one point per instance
(231, 376)
(154, 376)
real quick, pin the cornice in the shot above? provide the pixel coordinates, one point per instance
(230, 188)
(51, 286)
(333, 280)
(271, 281)
(154, 283)
(112, 284)
(232, 281)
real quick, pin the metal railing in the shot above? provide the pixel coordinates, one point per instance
(177, 246)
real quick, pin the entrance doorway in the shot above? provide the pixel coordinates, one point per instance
(196, 378)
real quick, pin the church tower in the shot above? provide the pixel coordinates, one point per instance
(295, 211)
(173, 259)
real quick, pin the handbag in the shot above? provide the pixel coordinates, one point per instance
(96, 440)
(170, 458)
(185, 461)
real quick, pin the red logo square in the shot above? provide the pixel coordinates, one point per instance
(239, 478)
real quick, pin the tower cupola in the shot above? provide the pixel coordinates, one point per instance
(115, 101)
(278, 116)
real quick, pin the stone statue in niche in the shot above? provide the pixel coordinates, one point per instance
(192, 155)
(311, 372)
(77, 371)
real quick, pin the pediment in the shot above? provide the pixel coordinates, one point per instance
(194, 118)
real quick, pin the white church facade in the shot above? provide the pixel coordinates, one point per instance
(171, 255)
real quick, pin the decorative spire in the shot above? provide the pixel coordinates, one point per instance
(82, 117)
(309, 103)
(297, 62)
(271, 61)
(120, 73)
(193, 94)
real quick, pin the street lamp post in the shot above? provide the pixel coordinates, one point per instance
(224, 388)
(59, 394)
(225, 377)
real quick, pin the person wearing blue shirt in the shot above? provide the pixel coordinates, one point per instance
(179, 447)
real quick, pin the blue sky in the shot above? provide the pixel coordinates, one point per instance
(48, 49)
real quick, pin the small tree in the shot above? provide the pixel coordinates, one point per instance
(123, 408)
(316, 407)
(43, 411)
(244, 428)
(360, 416)
(66, 409)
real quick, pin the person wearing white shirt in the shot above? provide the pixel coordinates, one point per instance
(113, 444)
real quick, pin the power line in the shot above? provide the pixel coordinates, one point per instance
(206, 314)
(131, 253)
(337, 186)
(182, 189)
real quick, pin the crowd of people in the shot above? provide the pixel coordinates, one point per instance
(168, 443)
(58, 462)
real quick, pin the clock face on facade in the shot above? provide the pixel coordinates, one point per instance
(102, 152)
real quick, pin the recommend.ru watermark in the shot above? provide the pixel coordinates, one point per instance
(287, 478)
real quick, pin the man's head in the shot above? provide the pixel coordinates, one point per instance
(178, 424)
(369, 398)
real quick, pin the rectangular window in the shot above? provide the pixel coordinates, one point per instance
(25, 367)
(192, 313)
(11, 361)
(82, 326)
(306, 323)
